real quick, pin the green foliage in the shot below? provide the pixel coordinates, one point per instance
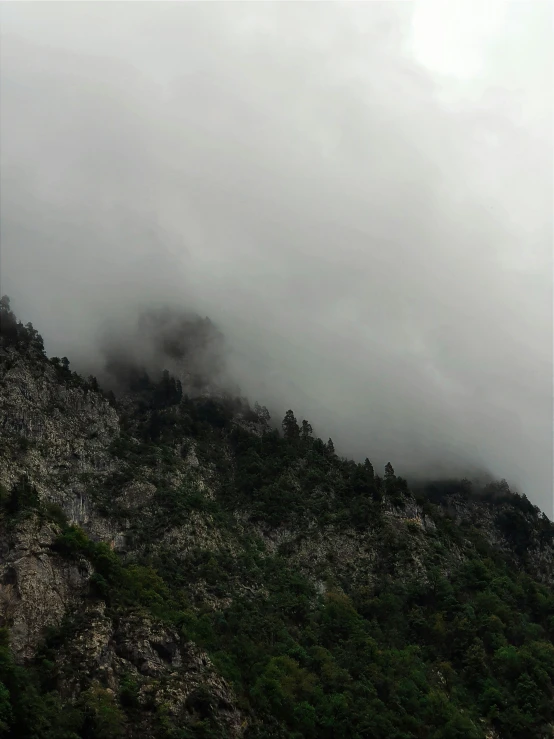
(516, 527)
(27, 711)
(128, 692)
(291, 478)
(102, 716)
(399, 659)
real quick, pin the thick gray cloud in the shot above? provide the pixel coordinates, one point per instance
(372, 234)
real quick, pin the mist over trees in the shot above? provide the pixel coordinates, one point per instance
(367, 220)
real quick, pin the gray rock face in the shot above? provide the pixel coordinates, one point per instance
(37, 587)
(58, 437)
(166, 670)
(51, 434)
(66, 432)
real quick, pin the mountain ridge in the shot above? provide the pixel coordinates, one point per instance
(173, 566)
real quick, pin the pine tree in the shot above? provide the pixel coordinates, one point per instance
(306, 430)
(369, 469)
(290, 426)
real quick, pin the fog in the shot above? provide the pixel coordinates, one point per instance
(359, 195)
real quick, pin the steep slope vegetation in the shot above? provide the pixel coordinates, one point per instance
(174, 567)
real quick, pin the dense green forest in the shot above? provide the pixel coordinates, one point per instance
(455, 648)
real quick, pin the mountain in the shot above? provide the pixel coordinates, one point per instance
(174, 566)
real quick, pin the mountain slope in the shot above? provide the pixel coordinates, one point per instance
(175, 567)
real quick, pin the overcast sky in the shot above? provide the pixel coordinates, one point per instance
(359, 194)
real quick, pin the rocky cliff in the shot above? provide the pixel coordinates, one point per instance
(174, 566)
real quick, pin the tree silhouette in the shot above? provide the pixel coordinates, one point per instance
(306, 430)
(290, 426)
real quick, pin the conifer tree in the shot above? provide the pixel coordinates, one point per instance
(290, 426)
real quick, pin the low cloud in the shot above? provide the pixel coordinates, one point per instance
(373, 238)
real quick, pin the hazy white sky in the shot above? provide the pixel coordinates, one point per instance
(360, 194)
